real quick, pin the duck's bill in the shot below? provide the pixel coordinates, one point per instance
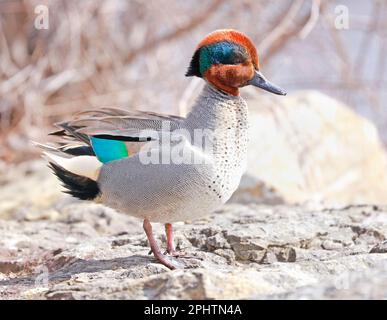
(260, 81)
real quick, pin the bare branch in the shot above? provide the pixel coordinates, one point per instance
(314, 16)
(190, 25)
(288, 29)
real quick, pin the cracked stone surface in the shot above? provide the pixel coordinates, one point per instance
(60, 248)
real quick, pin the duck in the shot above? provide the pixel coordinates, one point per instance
(165, 168)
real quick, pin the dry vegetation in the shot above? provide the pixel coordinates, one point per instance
(134, 54)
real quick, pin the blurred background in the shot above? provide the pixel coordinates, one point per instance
(134, 54)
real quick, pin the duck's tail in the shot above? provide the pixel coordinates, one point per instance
(76, 167)
(78, 186)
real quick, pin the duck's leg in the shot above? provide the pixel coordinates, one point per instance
(154, 247)
(170, 246)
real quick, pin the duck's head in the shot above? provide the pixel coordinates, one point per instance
(229, 60)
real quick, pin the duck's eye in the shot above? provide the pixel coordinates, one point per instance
(239, 55)
(228, 53)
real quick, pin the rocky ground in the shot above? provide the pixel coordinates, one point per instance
(54, 247)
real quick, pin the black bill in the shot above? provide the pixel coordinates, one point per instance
(260, 81)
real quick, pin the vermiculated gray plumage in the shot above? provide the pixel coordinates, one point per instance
(176, 192)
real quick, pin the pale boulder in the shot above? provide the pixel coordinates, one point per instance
(310, 147)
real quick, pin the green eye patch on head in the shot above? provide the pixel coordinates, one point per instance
(221, 53)
(224, 52)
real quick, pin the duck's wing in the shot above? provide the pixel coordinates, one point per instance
(112, 133)
(117, 124)
(95, 137)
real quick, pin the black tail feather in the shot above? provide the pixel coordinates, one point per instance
(78, 186)
(79, 151)
(70, 132)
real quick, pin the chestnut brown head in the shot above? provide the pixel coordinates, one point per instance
(228, 60)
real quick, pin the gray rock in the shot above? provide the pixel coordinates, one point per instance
(243, 251)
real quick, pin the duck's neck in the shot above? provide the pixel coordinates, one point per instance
(215, 109)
